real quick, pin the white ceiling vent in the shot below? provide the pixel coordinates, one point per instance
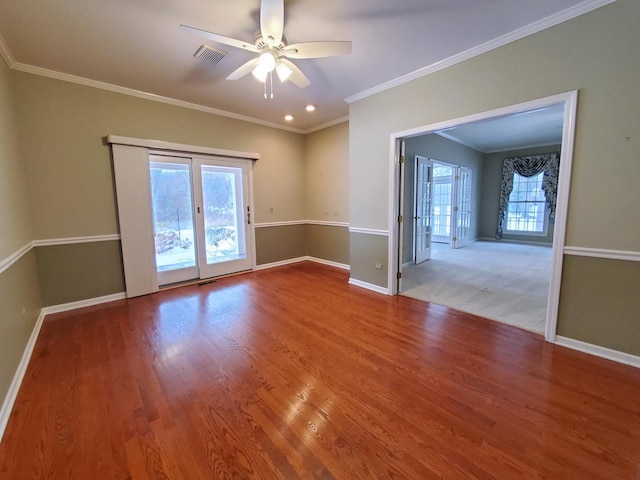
(210, 54)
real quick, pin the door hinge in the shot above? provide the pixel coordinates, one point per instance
(401, 159)
(399, 275)
(400, 218)
(455, 239)
(457, 177)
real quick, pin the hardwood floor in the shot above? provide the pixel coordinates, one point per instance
(292, 373)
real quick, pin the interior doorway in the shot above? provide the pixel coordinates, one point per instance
(567, 102)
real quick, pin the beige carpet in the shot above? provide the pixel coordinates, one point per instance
(506, 282)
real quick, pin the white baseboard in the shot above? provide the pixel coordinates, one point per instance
(522, 242)
(369, 286)
(14, 387)
(281, 263)
(343, 266)
(598, 351)
(83, 303)
(289, 261)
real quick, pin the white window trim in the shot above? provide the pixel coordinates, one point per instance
(545, 225)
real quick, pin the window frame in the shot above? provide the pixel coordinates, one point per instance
(545, 224)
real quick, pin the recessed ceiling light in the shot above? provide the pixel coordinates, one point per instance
(310, 108)
(288, 118)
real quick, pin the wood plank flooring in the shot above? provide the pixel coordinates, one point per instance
(292, 373)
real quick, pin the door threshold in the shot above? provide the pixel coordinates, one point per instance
(201, 281)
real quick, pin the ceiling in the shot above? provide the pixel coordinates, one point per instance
(532, 128)
(137, 44)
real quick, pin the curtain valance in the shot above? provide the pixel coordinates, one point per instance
(528, 167)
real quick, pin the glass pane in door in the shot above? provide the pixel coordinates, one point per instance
(172, 216)
(223, 210)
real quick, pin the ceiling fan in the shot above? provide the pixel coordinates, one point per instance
(273, 51)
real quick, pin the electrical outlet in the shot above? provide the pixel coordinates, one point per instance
(378, 266)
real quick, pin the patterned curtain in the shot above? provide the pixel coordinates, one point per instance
(528, 167)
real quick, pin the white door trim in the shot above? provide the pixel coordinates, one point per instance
(570, 101)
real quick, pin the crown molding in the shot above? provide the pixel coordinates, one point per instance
(535, 27)
(331, 123)
(87, 82)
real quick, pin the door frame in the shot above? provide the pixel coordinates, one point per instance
(570, 101)
(131, 172)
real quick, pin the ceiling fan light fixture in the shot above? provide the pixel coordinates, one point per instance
(283, 71)
(260, 74)
(266, 64)
(267, 61)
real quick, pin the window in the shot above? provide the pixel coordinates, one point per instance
(442, 190)
(527, 207)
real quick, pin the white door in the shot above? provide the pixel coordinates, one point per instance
(201, 217)
(462, 209)
(422, 216)
(223, 215)
(173, 219)
(400, 147)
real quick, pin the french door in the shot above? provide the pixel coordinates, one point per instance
(201, 216)
(423, 180)
(462, 208)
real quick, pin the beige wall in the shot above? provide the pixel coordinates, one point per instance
(281, 243)
(596, 54)
(327, 174)
(15, 220)
(21, 304)
(19, 291)
(69, 171)
(72, 272)
(600, 302)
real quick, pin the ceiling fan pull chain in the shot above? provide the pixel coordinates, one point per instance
(271, 83)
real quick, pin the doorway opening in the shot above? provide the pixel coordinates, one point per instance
(567, 103)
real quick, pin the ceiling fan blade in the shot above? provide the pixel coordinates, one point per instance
(297, 77)
(272, 21)
(220, 38)
(316, 49)
(244, 69)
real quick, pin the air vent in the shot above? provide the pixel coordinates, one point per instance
(210, 54)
